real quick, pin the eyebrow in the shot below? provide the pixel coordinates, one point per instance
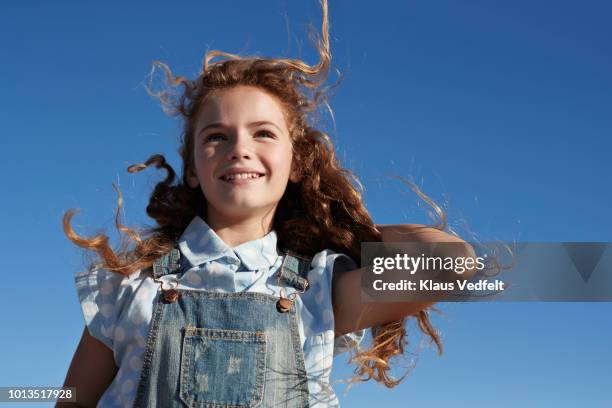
(252, 124)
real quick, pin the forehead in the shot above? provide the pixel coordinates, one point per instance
(241, 105)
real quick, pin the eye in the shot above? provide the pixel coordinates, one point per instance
(265, 133)
(213, 137)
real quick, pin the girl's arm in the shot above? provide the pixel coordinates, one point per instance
(91, 371)
(350, 314)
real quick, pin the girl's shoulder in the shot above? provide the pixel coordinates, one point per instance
(318, 299)
(331, 261)
(104, 295)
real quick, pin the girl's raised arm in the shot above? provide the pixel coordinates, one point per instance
(91, 371)
(351, 314)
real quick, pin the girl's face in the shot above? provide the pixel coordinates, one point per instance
(242, 154)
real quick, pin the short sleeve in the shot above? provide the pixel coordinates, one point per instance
(337, 262)
(101, 296)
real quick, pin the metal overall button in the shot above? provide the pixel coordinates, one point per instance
(283, 304)
(170, 294)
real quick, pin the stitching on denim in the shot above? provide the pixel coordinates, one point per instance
(185, 369)
(260, 379)
(144, 382)
(220, 334)
(298, 354)
(194, 293)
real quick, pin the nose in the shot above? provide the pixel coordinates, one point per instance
(239, 148)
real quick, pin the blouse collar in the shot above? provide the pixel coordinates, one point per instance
(200, 244)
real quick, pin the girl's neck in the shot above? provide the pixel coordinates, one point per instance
(236, 231)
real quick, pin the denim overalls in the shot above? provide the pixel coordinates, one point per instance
(221, 350)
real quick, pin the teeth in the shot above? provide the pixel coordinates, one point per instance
(241, 176)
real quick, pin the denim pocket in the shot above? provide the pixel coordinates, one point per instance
(222, 368)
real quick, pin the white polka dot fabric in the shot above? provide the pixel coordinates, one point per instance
(118, 309)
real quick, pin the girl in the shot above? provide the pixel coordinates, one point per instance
(248, 286)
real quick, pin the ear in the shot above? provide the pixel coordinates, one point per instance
(192, 180)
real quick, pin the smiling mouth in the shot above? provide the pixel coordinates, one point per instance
(242, 178)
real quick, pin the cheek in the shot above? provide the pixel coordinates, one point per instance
(204, 163)
(281, 160)
(205, 173)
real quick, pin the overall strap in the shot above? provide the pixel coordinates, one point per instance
(167, 264)
(294, 271)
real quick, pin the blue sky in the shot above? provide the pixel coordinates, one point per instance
(501, 110)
